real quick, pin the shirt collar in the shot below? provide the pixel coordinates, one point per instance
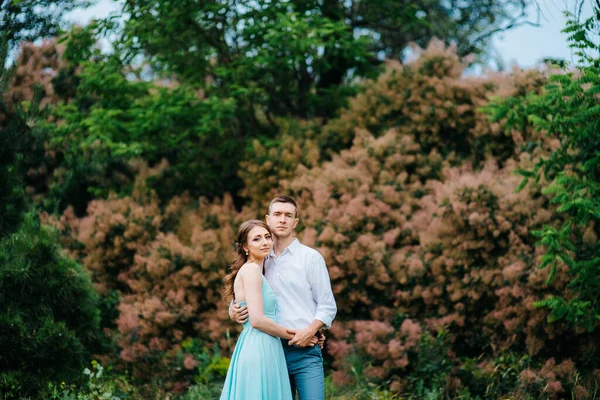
(293, 247)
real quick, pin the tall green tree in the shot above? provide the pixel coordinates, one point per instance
(113, 119)
(234, 70)
(49, 318)
(297, 57)
(569, 110)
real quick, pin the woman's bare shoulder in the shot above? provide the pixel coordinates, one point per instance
(250, 268)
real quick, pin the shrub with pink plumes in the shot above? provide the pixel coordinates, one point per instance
(454, 253)
(355, 207)
(404, 233)
(555, 380)
(112, 233)
(167, 262)
(427, 97)
(269, 165)
(417, 217)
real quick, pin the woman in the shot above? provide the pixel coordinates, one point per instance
(257, 369)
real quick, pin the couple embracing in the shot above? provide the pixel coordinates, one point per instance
(282, 295)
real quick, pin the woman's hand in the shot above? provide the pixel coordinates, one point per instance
(291, 333)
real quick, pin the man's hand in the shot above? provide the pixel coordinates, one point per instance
(321, 339)
(238, 314)
(304, 337)
(313, 341)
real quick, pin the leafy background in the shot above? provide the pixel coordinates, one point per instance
(456, 213)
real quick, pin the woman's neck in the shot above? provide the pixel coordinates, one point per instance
(258, 260)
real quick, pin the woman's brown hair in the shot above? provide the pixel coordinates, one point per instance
(242, 257)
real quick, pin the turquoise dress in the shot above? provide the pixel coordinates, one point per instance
(258, 370)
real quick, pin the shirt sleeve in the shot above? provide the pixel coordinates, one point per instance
(318, 278)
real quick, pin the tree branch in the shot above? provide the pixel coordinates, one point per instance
(513, 24)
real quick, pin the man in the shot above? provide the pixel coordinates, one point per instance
(298, 276)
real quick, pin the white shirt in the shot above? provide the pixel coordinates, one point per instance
(301, 284)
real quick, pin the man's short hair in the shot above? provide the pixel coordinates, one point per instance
(283, 199)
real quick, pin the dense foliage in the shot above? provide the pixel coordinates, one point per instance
(49, 320)
(296, 57)
(198, 96)
(420, 208)
(12, 195)
(569, 110)
(154, 152)
(112, 119)
(49, 324)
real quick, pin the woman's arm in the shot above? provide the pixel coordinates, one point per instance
(252, 280)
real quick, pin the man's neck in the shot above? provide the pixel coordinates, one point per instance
(282, 243)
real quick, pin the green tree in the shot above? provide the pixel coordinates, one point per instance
(49, 319)
(12, 196)
(115, 117)
(233, 71)
(569, 111)
(298, 57)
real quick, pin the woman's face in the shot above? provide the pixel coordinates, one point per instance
(259, 243)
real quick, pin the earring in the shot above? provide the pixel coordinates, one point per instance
(246, 252)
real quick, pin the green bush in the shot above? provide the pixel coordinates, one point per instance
(569, 112)
(49, 320)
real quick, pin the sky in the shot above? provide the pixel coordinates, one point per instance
(527, 45)
(524, 46)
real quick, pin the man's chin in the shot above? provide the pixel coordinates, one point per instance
(281, 235)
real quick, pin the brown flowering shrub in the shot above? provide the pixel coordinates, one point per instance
(409, 237)
(355, 207)
(37, 65)
(166, 264)
(556, 380)
(413, 204)
(267, 165)
(425, 97)
(112, 233)
(428, 98)
(478, 259)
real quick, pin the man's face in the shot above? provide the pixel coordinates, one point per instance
(282, 219)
